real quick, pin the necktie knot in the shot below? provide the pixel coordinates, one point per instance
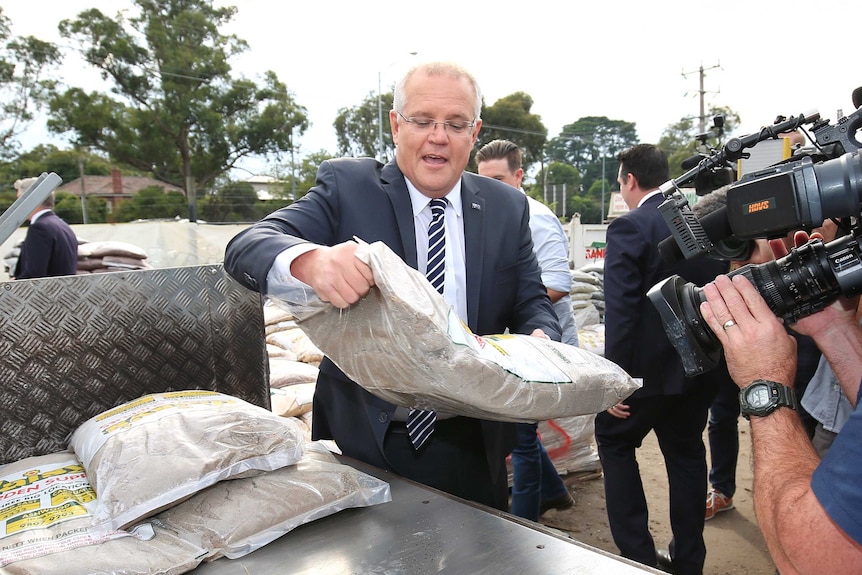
(438, 208)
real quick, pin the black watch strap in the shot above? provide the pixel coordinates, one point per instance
(779, 396)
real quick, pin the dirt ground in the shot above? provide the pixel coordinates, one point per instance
(734, 544)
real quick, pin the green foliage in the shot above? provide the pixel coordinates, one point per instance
(680, 140)
(152, 203)
(175, 110)
(357, 129)
(23, 90)
(68, 206)
(558, 185)
(509, 118)
(48, 158)
(586, 142)
(307, 174)
(232, 202)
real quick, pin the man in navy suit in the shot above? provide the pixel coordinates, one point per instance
(669, 404)
(50, 247)
(492, 278)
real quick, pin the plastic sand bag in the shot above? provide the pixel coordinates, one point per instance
(403, 343)
(146, 550)
(218, 518)
(159, 449)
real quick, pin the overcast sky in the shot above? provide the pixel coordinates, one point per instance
(628, 60)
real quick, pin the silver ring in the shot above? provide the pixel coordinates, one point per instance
(728, 324)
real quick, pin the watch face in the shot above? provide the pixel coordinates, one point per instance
(758, 396)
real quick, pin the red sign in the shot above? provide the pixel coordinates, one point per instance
(595, 253)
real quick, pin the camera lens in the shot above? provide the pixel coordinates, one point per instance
(799, 284)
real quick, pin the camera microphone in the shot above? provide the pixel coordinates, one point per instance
(715, 225)
(691, 162)
(857, 97)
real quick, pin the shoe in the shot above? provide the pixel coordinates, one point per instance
(663, 560)
(560, 504)
(716, 502)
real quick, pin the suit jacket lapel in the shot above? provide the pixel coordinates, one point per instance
(474, 244)
(395, 187)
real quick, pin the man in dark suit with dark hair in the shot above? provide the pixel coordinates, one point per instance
(669, 404)
(492, 278)
(50, 247)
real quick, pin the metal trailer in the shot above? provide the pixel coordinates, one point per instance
(72, 347)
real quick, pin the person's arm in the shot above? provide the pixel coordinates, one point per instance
(800, 535)
(250, 255)
(552, 251)
(533, 311)
(835, 330)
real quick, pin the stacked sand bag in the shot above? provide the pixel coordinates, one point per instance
(588, 302)
(166, 481)
(293, 364)
(110, 256)
(10, 258)
(588, 298)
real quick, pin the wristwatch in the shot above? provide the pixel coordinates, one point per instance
(763, 397)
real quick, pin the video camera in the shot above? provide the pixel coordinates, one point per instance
(707, 181)
(800, 193)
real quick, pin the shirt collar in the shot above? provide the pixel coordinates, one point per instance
(648, 196)
(419, 200)
(38, 215)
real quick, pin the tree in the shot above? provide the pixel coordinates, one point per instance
(232, 202)
(307, 173)
(356, 128)
(68, 207)
(681, 141)
(23, 90)
(177, 113)
(556, 183)
(585, 143)
(152, 203)
(509, 118)
(65, 163)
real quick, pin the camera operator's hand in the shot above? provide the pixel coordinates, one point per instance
(840, 315)
(756, 345)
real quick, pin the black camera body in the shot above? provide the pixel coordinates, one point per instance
(798, 193)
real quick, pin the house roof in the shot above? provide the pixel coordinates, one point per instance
(104, 186)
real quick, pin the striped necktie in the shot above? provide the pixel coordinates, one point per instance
(420, 422)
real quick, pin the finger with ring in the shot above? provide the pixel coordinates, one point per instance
(728, 324)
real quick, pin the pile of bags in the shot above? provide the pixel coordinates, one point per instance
(293, 364)
(588, 302)
(143, 488)
(110, 256)
(94, 257)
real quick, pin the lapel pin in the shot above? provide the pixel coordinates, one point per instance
(475, 206)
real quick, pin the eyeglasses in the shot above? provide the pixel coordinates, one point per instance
(427, 125)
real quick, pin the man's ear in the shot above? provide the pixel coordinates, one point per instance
(519, 175)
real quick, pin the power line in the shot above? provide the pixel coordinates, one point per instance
(518, 130)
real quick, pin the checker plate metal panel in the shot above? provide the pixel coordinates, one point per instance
(72, 347)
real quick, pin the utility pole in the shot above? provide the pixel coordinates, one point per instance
(83, 187)
(701, 92)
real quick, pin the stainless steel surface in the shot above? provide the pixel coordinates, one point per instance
(72, 347)
(422, 531)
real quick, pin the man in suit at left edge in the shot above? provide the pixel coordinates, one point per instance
(50, 247)
(492, 278)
